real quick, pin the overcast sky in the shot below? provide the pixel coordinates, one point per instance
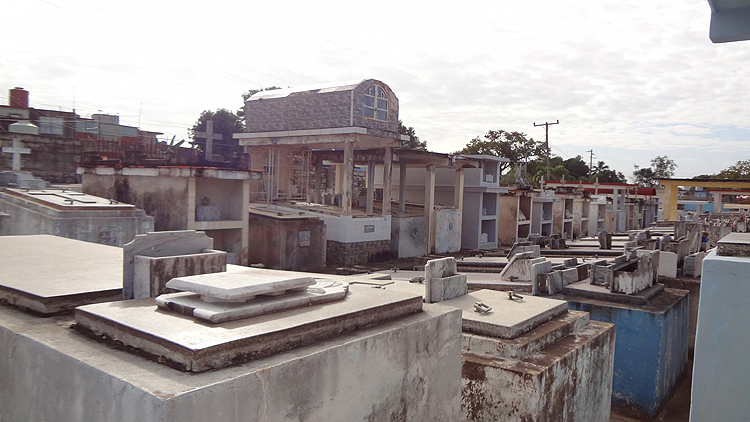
(628, 79)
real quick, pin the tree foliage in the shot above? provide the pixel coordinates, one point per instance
(414, 142)
(662, 167)
(226, 123)
(249, 93)
(738, 170)
(511, 145)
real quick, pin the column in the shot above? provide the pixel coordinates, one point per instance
(347, 180)
(429, 204)
(387, 172)
(458, 191)
(670, 201)
(717, 201)
(402, 186)
(318, 181)
(370, 185)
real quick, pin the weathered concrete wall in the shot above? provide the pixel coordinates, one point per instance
(151, 274)
(353, 253)
(108, 227)
(52, 158)
(447, 230)
(651, 350)
(296, 245)
(568, 381)
(164, 198)
(721, 374)
(405, 370)
(408, 236)
(507, 220)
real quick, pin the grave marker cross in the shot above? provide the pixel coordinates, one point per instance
(17, 149)
(210, 137)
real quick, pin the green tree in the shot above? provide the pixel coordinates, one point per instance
(511, 145)
(661, 168)
(249, 93)
(738, 170)
(604, 174)
(226, 123)
(577, 168)
(414, 142)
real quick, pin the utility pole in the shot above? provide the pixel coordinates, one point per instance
(591, 161)
(546, 139)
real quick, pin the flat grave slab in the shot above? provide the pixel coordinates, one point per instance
(49, 274)
(190, 345)
(242, 283)
(734, 244)
(508, 318)
(584, 288)
(193, 304)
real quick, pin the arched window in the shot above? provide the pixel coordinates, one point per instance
(376, 103)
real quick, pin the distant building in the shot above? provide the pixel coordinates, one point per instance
(64, 138)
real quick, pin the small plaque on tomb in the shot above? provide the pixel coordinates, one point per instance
(508, 318)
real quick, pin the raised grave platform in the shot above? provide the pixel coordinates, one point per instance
(50, 275)
(651, 347)
(196, 346)
(529, 358)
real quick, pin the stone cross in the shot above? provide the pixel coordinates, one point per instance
(210, 137)
(17, 149)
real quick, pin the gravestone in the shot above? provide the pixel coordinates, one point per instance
(210, 138)
(442, 282)
(160, 244)
(17, 149)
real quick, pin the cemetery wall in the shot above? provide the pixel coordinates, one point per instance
(348, 254)
(164, 198)
(52, 158)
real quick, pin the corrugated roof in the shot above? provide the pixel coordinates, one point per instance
(320, 88)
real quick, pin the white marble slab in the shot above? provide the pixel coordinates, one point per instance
(191, 304)
(242, 284)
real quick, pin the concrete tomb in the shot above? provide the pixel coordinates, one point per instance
(51, 275)
(651, 349)
(442, 281)
(529, 358)
(294, 241)
(70, 214)
(240, 331)
(305, 363)
(721, 375)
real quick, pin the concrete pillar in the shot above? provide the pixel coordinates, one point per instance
(458, 191)
(717, 201)
(347, 179)
(370, 185)
(402, 186)
(318, 182)
(387, 185)
(429, 204)
(245, 241)
(670, 201)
